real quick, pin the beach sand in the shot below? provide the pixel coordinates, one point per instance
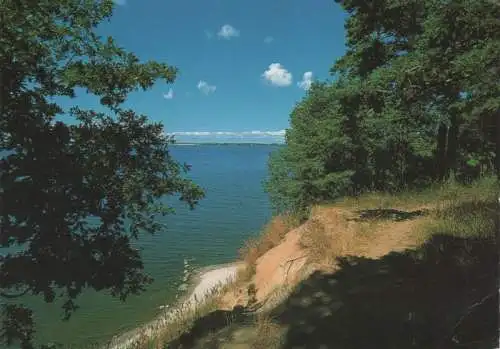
(209, 279)
(204, 283)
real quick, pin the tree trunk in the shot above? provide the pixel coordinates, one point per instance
(497, 147)
(441, 152)
(452, 148)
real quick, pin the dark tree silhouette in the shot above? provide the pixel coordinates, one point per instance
(74, 196)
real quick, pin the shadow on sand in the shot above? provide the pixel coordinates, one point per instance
(389, 214)
(441, 295)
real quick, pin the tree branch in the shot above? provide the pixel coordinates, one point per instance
(470, 309)
(290, 262)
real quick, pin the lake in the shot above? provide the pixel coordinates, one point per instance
(234, 209)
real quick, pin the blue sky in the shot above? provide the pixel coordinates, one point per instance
(241, 63)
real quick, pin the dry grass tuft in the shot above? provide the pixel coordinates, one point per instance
(271, 236)
(464, 219)
(461, 211)
(316, 241)
(324, 245)
(246, 273)
(183, 323)
(451, 190)
(185, 317)
(268, 333)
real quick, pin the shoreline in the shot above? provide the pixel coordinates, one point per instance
(202, 284)
(199, 274)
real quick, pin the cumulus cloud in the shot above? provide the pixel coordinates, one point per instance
(169, 94)
(306, 81)
(205, 88)
(277, 75)
(268, 39)
(227, 32)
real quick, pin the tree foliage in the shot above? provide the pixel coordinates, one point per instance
(415, 99)
(73, 197)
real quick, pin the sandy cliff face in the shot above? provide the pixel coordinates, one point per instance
(331, 232)
(280, 265)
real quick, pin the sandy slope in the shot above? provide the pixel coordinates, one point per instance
(289, 262)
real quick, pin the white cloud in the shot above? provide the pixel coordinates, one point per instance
(257, 133)
(169, 94)
(204, 87)
(268, 39)
(257, 136)
(277, 75)
(228, 31)
(306, 81)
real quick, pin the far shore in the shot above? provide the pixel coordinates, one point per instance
(202, 284)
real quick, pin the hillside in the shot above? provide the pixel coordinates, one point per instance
(412, 270)
(396, 96)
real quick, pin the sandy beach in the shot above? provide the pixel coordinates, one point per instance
(204, 283)
(210, 278)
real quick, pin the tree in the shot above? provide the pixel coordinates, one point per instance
(431, 50)
(73, 197)
(415, 99)
(311, 168)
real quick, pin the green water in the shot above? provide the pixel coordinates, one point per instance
(235, 208)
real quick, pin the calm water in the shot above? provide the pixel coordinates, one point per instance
(235, 208)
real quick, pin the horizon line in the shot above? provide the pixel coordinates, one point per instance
(254, 133)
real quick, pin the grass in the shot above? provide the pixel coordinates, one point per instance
(451, 190)
(186, 320)
(268, 333)
(465, 219)
(271, 236)
(464, 211)
(185, 316)
(434, 295)
(281, 292)
(455, 210)
(318, 242)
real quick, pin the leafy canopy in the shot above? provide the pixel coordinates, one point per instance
(415, 99)
(74, 196)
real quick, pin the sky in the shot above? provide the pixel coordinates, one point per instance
(243, 65)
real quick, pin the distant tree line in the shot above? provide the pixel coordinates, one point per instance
(414, 100)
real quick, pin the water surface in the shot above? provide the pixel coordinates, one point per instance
(235, 207)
